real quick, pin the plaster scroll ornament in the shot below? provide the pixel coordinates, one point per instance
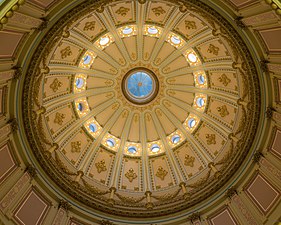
(190, 25)
(122, 11)
(223, 111)
(66, 52)
(161, 173)
(213, 49)
(158, 11)
(101, 166)
(189, 160)
(224, 80)
(109, 95)
(55, 85)
(131, 175)
(59, 118)
(76, 146)
(211, 139)
(125, 114)
(115, 106)
(108, 83)
(90, 26)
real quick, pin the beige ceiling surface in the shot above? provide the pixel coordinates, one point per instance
(202, 120)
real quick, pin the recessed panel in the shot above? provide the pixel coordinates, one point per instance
(7, 162)
(262, 193)
(276, 146)
(32, 210)
(8, 50)
(222, 218)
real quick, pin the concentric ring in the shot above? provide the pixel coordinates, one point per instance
(140, 86)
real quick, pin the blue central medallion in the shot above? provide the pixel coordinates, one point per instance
(140, 84)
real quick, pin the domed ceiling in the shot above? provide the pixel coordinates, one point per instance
(141, 108)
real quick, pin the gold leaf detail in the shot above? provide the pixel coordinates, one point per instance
(121, 61)
(161, 173)
(122, 11)
(167, 69)
(115, 106)
(134, 56)
(66, 52)
(109, 95)
(59, 118)
(136, 118)
(158, 11)
(213, 49)
(100, 166)
(158, 61)
(167, 104)
(159, 112)
(125, 114)
(108, 83)
(190, 24)
(189, 160)
(55, 85)
(211, 139)
(112, 70)
(223, 111)
(129, 199)
(167, 196)
(171, 81)
(148, 117)
(93, 189)
(90, 26)
(224, 80)
(76, 146)
(171, 92)
(146, 55)
(131, 175)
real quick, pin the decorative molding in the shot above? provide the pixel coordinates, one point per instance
(5, 130)
(25, 20)
(269, 112)
(264, 163)
(244, 210)
(131, 175)
(18, 72)
(10, 13)
(12, 194)
(64, 205)
(257, 156)
(274, 6)
(44, 24)
(194, 217)
(263, 65)
(31, 171)
(239, 22)
(231, 192)
(100, 166)
(161, 173)
(106, 222)
(59, 217)
(7, 75)
(13, 124)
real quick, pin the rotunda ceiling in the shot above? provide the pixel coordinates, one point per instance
(137, 105)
